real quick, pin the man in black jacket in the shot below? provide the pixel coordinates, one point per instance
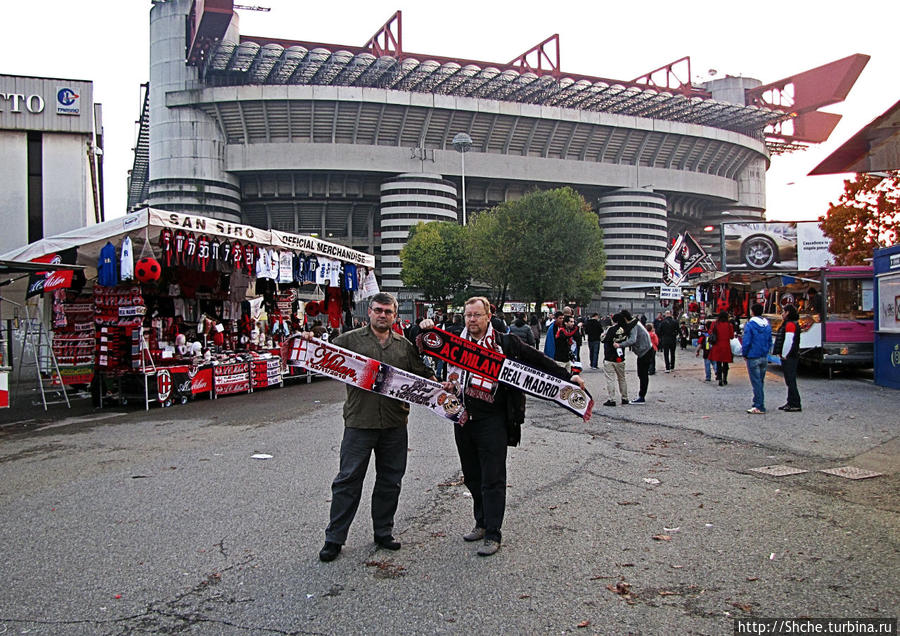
(495, 414)
(594, 331)
(668, 336)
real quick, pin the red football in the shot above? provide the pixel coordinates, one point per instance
(147, 270)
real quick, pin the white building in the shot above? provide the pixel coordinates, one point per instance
(47, 148)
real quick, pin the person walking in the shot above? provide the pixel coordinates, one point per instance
(720, 352)
(482, 440)
(668, 336)
(703, 347)
(550, 336)
(654, 340)
(639, 341)
(614, 363)
(519, 328)
(376, 423)
(564, 350)
(594, 331)
(755, 348)
(787, 347)
(684, 335)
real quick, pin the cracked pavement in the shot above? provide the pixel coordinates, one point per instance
(645, 520)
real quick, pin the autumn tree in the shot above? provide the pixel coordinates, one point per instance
(435, 260)
(545, 245)
(866, 216)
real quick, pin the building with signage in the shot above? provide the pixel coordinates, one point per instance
(49, 164)
(355, 143)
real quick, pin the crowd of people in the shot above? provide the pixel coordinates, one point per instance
(376, 424)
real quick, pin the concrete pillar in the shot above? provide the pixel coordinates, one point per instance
(187, 149)
(406, 200)
(635, 237)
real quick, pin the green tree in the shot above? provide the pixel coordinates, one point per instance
(865, 217)
(545, 245)
(435, 260)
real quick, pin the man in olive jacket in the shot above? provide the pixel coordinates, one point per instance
(376, 423)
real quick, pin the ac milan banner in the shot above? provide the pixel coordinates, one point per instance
(371, 375)
(684, 256)
(51, 280)
(496, 366)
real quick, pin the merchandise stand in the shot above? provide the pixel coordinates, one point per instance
(212, 319)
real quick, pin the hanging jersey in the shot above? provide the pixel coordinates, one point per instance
(237, 256)
(215, 247)
(126, 270)
(286, 267)
(180, 240)
(203, 252)
(107, 269)
(249, 258)
(262, 264)
(166, 246)
(227, 247)
(351, 282)
(190, 250)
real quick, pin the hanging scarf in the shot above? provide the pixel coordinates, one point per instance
(371, 375)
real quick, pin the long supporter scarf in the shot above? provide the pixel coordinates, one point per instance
(374, 376)
(491, 365)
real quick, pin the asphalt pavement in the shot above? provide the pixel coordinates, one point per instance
(645, 520)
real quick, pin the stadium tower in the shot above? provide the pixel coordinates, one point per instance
(353, 143)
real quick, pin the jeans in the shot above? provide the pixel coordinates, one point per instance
(481, 444)
(390, 446)
(756, 368)
(707, 366)
(789, 366)
(594, 348)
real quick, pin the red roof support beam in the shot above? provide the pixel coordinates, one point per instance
(537, 67)
(674, 76)
(209, 21)
(803, 94)
(385, 41)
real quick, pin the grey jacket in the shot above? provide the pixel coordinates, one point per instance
(638, 339)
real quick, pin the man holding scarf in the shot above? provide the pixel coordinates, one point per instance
(376, 423)
(482, 434)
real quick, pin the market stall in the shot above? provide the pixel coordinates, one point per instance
(176, 306)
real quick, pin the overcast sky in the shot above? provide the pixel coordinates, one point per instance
(107, 41)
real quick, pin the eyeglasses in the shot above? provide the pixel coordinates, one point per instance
(382, 310)
(474, 316)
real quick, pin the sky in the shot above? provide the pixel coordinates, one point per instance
(107, 42)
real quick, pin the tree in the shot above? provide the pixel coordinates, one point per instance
(545, 245)
(435, 260)
(865, 217)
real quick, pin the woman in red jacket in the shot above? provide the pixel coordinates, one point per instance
(720, 351)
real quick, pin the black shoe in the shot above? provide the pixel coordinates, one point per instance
(792, 409)
(329, 551)
(783, 407)
(625, 403)
(387, 543)
(609, 403)
(720, 382)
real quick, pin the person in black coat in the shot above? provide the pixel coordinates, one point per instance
(668, 336)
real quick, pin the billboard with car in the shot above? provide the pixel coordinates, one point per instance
(794, 246)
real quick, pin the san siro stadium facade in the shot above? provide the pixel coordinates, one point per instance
(354, 143)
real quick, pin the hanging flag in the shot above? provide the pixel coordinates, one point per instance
(41, 282)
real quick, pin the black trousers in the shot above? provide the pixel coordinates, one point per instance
(668, 353)
(789, 367)
(481, 444)
(390, 446)
(643, 371)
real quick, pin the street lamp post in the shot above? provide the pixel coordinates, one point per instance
(463, 143)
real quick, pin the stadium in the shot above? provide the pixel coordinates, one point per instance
(355, 143)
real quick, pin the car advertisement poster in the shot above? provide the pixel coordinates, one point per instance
(797, 246)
